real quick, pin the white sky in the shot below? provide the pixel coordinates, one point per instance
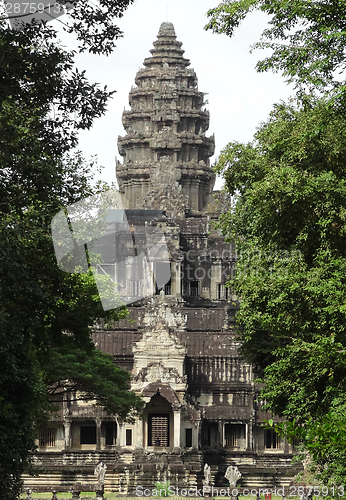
(239, 97)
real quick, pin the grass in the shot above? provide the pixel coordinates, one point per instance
(68, 496)
(113, 496)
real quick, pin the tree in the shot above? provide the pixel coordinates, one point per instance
(289, 224)
(46, 315)
(307, 38)
(93, 24)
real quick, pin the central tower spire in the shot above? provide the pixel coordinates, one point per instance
(165, 143)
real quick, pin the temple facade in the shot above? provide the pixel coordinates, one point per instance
(179, 343)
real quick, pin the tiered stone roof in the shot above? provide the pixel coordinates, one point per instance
(165, 146)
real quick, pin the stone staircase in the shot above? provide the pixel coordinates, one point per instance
(257, 471)
(129, 470)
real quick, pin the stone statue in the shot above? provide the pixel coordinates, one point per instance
(207, 475)
(100, 472)
(233, 475)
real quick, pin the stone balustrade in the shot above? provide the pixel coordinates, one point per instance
(76, 490)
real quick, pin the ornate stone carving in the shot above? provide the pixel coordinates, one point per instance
(156, 371)
(207, 475)
(232, 474)
(165, 148)
(100, 472)
(166, 193)
(160, 354)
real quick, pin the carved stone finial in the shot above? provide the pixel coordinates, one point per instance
(233, 475)
(166, 29)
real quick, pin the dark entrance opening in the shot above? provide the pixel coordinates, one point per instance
(191, 288)
(158, 429)
(88, 434)
(235, 435)
(188, 438)
(128, 437)
(210, 434)
(271, 439)
(110, 434)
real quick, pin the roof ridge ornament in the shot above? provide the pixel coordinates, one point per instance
(166, 29)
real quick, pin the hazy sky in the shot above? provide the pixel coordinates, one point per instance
(239, 97)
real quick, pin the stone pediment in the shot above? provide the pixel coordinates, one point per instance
(160, 342)
(160, 354)
(159, 373)
(163, 389)
(165, 311)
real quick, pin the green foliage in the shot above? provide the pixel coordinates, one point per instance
(94, 25)
(47, 316)
(162, 489)
(325, 439)
(289, 224)
(307, 37)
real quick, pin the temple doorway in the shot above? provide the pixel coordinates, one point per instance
(159, 423)
(158, 430)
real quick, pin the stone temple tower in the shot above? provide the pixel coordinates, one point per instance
(165, 146)
(179, 343)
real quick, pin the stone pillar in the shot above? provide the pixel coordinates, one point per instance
(151, 278)
(195, 437)
(67, 431)
(203, 189)
(147, 279)
(194, 198)
(98, 422)
(176, 427)
(117, 441)
(249, 428)
(220, 427)
(121, 435)
(176, 279)
(76, 490)
(99, 492)
(286, 446)
(215, 273)
(138, 438)
(185, 188)
(132, 196)
(137, 192)
(127, 276)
